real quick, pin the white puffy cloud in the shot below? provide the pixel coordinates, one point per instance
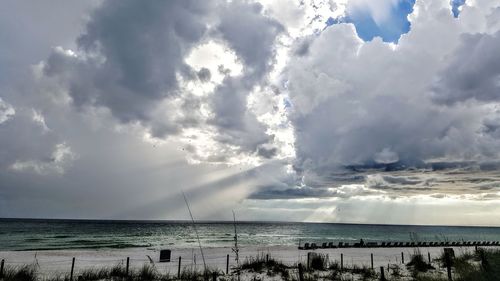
(6, 111)
(60, 158)
(367, 103)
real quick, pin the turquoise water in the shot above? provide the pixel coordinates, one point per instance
(84, 234)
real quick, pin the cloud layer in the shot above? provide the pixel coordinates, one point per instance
(250, 102)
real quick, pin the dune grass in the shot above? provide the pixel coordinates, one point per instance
(20, 273)
(262, 263)
(482, 265)
(147, 272)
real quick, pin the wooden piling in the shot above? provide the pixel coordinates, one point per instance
(72, 269)
(227, 264)
(371, 257)
(301, 272)
(179, 268)
(126, 268)
(308, 260)
(382, 274)
(1, 268)
(402, 258)
(448, 265)
(341, 261)
(429, 257)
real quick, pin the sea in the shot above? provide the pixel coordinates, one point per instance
(37, 234)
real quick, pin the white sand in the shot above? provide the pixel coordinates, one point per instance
(59, 261)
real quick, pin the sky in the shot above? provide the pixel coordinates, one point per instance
(353, 111)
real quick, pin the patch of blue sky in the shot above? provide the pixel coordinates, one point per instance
(287, 102)
(390, 30)
(455, 6)
(332, 21)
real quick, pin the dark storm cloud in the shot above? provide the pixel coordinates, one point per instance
(236, 124)
(204, 74)
(130, 54)
(31, 146)
(267, 152)
(121, 63)
(271, 192)
(252, 35)
(473, 72)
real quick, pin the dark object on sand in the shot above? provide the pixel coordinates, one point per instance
(165, 255)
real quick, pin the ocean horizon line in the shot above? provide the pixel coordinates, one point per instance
(159, 221)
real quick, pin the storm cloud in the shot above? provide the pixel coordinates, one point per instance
(266, 106)
(128, 60)
(370, 103)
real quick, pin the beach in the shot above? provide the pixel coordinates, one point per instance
(58, 262)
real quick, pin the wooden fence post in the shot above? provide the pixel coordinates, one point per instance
(301, 272)
(308, 265)
(214, 276)
(341, 262)
(402, 258)
(227, 264)
(1, 268)
(179, 268)
(382, 274)
(267, 258)
(371, 257)
(72, 269)
(429, 257)
(126, 268)
(448, 264)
